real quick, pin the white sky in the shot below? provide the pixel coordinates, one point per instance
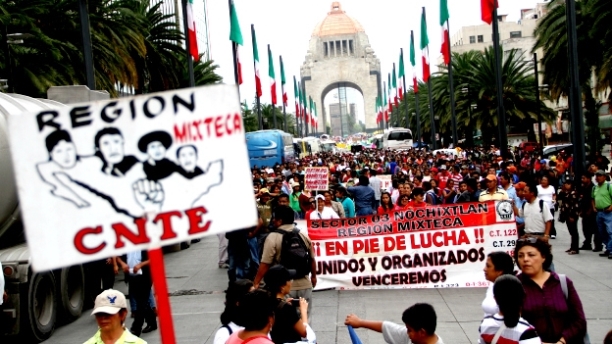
(287, 26)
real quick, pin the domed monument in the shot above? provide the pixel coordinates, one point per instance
(340, 56)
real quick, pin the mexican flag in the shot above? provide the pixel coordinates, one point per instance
(378, 110)
(415, 82)
(193, 39)
(316, 117)
(424, 47)
(386, 112)
(486, 8)
(236, 38)
(296, 95)
(283, 82)
(444, 16)
(395, 87)
(390, 103)
(401, 75)
(272, 76)
(256, 61)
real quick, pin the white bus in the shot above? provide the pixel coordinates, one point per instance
(397, 138)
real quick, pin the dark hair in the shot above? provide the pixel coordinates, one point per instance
(234, 292)
(542, 246)
(608, 338)
(502, 261)
(426, 186)
(105, 131)
(282, 195)
(390, 204)
(417, 192)
(55, 137)
(255, 309)
(509, 295)
(364, 181)
(506, 176)
(276, 277)
(533, 188)
(178, 151)
(372, 172)
(285, 214)
(342, 190)
(420, 316)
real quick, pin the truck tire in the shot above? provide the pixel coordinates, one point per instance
(72, 291)
(41, 308)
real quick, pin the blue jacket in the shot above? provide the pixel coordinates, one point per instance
(364, 197)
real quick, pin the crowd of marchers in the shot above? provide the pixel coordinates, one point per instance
(527, 301)
(272, 269)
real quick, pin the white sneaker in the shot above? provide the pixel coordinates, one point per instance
(553, 237)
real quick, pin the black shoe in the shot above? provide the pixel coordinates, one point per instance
(149, 328)
(597, 249)
(586, 247)
(135, 332)
(605, 254)
(610, 256)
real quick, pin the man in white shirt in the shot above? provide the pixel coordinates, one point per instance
(536, 214)
(419, 326)
(323, 212)
(375, 184)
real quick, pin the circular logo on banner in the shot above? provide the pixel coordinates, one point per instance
(505, 210)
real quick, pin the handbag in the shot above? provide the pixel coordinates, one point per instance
(563, 280)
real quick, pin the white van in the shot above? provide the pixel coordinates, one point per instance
(315, 144)
(397, 139)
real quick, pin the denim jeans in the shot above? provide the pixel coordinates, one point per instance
(364, 211)
(604, 225)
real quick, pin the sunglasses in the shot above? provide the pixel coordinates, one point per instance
(531, 240)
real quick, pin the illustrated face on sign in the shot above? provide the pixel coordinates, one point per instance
(156, 150)
(188, 158)
(64, 154)
(111, 147)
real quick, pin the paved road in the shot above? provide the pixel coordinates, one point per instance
(197, 284)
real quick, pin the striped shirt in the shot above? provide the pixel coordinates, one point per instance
(522, 333)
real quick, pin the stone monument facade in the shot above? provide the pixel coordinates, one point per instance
(340, 54)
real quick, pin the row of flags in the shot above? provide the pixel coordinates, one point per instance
(305, 107)
(393, 90)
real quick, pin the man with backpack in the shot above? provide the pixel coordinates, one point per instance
(291, 248)
(537, 216)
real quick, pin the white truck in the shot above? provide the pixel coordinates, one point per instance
(36, 301)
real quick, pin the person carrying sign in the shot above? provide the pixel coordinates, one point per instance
(419, 326)
(322, 212)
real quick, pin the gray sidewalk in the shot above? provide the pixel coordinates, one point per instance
(197, 299)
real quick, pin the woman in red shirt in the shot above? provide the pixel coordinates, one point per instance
(418, 198)
(403, 203)
(386, 204)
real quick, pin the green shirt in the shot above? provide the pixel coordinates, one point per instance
(126, 338)
(602, 195)
(265, 212)
(294, 201)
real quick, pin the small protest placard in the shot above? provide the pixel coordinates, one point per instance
(105, 178)
(316, 178)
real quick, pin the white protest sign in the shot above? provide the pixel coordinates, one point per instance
(316, 178)
(105, 178)
(385, 182)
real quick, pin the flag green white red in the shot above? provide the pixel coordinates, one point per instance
(236, 38)
(400, 75)
(378, 110)
(444, 17)
(487, 7)
(193, 39)
(256, 62)
(389, 94)
(386, 112)
(415, 81)
(283, 82)
(272, 76)
(425, 47)
(395, 91)
(296, 95)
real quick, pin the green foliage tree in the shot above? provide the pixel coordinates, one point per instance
(594, 54)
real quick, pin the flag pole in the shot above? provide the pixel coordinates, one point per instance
(501, 112)
(188, 46)
(305, 121)
(258, 102)
(405, 90)
(416, 94)
(432, 118)
(395, 100)
(282, 68)
(234, 52)
(452, 90)
(272, 90)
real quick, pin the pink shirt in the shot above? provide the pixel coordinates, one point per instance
(234, 339)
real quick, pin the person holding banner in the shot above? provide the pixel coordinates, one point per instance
(420, 322)
(322, 212)
(386, 205)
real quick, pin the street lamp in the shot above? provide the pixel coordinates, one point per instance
(13, 38)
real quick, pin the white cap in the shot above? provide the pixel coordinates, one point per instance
(110, 302)
(319, 196)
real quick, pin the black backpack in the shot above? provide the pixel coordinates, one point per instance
(295, 256)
